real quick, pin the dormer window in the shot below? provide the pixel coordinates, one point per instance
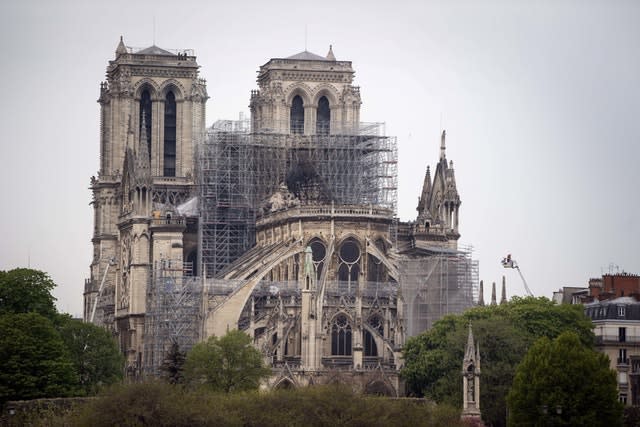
(621, 311)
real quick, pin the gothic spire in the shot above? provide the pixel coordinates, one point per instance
(121, 48)
(503, 299)
(481, 294)
(470, 350)
(442, 145)
(142, 159)
(493, 293)
(426, 193)
(330, 55)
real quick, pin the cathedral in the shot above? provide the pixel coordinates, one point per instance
(283, 226)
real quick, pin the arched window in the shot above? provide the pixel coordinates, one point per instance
(370, 348)
(170, 135)
(341, 336)
(323, 119)
(319, 251)
(297, 115)
(145, 117)
(349, 261)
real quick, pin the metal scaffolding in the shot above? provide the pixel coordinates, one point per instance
(174, 312)
(238, 171)
(445, 282)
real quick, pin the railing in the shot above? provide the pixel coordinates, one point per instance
(622, 361)
(188, 52)
(291, 361)
(328, 211)
(167, 221)
(606, 339)
(338, 362)
(296, 127)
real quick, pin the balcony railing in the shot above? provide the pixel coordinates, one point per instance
(617, 339)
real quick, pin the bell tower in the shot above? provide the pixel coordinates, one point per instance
(306, 94)
(152, 117)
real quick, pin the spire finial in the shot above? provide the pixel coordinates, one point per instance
(330, 55)
(121, 48)
(442, 144)
(481, 294)
(503, 299)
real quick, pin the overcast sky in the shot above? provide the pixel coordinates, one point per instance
(540, 100)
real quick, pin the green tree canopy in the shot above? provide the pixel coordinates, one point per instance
(227, 364)
(94, 354)
(564, 383)
(33, 359)
(433, 360)
(23, 290)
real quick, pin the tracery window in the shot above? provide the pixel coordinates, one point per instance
(170, 135)
(297, 115)
(349, 262)
(145, 117)
(341, 336)
(323, 119)
(319, 251)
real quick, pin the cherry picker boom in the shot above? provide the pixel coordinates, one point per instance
(509, 262)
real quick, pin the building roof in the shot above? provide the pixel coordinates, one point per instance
(154, 50)
(307, 56)
(619, 300)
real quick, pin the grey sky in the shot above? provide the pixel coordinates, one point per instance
(540, 100)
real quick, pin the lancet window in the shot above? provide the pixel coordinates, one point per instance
(170, 135)
(145, 117)
(297, 115)
(323, 119)
(341, 336)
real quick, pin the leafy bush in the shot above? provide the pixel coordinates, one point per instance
(160, 404)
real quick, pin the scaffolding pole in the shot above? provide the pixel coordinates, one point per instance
(238, 171)
(174, 312)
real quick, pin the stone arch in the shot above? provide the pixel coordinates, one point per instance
(301, 89)
(327, 90)
(172, 85)
(226, 315)
(148, 84)
(380, 341)
(285, 383)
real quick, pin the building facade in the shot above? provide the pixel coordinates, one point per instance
(616, 320)
(285, 228)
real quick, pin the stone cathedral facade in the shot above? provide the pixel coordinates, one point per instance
(286, 229)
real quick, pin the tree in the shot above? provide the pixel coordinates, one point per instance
(94, 354)
(230, 363)
(172, 369)
(564, 383)
(23, 290)
(433, 360)
(33, 359)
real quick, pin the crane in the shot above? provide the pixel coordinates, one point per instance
(111, 262)
(509, 262)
